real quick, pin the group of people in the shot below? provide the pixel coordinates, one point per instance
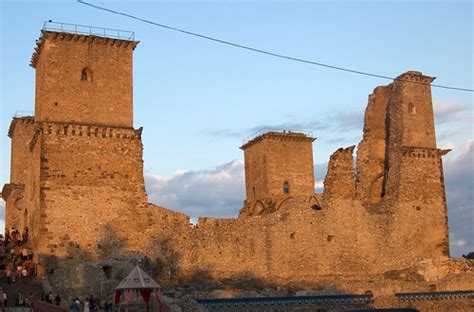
(23, 299)
(90, 304)
(51, 299)
(19, 264)
(16, 260)
(13, 235)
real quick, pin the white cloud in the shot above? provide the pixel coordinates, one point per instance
(217, 192)
(319, 185)
(447, 111)
(459, 178)
(459, 243)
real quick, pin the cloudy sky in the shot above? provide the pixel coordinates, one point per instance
(198, 101)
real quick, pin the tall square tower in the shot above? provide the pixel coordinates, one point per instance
(278, 166)
(77, 168)
(83, 79)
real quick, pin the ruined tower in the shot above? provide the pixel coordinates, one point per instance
(399, 167)
(414, 172)
(278, 166)
(77, 170)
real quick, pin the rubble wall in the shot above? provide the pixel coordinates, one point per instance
(295, 245)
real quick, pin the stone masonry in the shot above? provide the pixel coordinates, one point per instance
(77, 183)
(278, 167)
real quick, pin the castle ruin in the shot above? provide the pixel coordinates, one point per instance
(77, 183)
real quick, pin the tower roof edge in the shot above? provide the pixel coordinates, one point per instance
(286, 135)
(102, 37)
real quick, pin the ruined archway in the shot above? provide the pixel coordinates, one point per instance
(283, 202)
(314, 200)
(258, 208)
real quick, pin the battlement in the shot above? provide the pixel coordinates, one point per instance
(415, 76)
(420, 152)
(83, 33)
(9, 188)
(281, 136)
(106, 132)
(21, 120)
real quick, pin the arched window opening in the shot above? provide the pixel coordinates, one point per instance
(86, 74)
(411, 108)
(254, 193)
(286, 187)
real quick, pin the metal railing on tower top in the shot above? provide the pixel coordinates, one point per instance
(22, 113)
(89, 30)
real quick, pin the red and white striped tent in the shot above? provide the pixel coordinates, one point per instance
(138, 283)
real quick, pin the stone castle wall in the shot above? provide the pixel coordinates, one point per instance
(89, 199)
(22, 193)
(77, 183)
(91, 186)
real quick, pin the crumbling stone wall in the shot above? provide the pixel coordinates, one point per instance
(339, 183)
(371, 150)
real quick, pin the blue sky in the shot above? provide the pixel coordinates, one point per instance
(198, 100)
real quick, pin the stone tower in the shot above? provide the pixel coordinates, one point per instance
(399, 168)
(83, 79)
(278, 166)
(414, 171)
(77, 170)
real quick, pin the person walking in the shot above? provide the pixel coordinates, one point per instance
(75, 305)
(57, 300)
(86, 305)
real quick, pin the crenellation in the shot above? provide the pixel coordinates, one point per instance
(417, 152)
(414, 76)
(63, 36)
(106, 132)
(28, 120)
